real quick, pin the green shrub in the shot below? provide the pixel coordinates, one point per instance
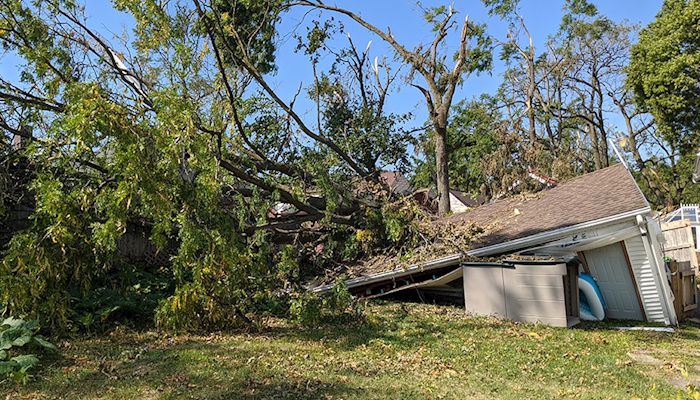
(17, 338)
(129, 296)
(337, 306)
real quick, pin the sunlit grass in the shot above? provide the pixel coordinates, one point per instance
(399, 351)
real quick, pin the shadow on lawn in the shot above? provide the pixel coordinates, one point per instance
(403, 327)
(172, 373)
(148, 365)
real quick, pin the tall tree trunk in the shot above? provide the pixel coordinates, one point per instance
(600, 117)
(593, 133)
(531, 97)
(441, 169)
(440, 81)
(603, 147)
(531, 120)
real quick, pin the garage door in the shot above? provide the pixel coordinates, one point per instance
(609, 266)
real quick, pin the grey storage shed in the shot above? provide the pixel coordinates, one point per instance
(544, 292)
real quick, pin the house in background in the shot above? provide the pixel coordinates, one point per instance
(459, 201)
(397, 182)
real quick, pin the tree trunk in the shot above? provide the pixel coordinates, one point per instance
(441, 169)
(531, 119)
(600, 118)
(603, 147)
(594, 142)
(531, 98)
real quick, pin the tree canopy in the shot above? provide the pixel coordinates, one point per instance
(663, 70)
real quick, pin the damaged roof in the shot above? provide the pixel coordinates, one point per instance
(597, 195)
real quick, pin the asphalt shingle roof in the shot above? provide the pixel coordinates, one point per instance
(604, 193)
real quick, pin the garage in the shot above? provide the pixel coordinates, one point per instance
(610, 266)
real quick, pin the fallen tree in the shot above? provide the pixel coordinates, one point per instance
(179, 132)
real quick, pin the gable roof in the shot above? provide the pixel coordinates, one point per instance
(397, 182)
(594, 196)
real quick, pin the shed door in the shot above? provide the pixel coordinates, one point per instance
(609, 267)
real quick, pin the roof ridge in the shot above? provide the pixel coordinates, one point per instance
(593, 172)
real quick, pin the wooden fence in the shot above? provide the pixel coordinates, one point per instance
(684, 287)
(680, 245)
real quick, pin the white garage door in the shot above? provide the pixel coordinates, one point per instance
(608, 266)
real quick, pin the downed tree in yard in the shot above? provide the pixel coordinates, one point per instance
(179, 134)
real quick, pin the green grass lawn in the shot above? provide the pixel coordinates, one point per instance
(401, 351)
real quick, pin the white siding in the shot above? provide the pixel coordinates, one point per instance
(644, 275)
(457, 206)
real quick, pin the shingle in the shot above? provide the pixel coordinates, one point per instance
(397, 182)
(596, 195)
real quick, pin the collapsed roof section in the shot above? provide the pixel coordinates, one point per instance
(602, 215)
(515, 223)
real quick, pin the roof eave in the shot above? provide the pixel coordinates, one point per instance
(552, 234)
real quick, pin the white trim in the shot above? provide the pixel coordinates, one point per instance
(639, 190)
(617, 153)
(553, 248)
(551, 235)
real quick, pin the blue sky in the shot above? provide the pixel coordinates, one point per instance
(542, 18)
(405, 19)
